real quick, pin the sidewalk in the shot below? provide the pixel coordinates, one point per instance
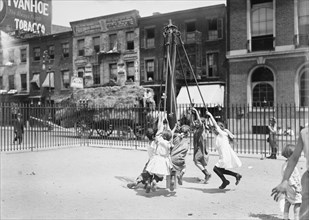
(90, 183)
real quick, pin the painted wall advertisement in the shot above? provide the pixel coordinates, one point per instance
(104, 25)
(34, 16)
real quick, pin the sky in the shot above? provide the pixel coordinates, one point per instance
(65, 11)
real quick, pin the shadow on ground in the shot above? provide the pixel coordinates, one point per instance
(265, 216)
(210, 190)
(140, 190)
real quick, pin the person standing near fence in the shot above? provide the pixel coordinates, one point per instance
(18, 129)
(272, 138)
(227, 157)
(302, 145)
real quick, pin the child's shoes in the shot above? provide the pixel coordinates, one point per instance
(224, 184)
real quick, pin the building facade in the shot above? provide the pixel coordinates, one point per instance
(268, 52)
(50, 66)
(14, 68)
(268, 56)
(106, 49)
(203, 33)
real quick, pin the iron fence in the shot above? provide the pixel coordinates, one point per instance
(53, 126)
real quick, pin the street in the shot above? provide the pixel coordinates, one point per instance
(90, 183)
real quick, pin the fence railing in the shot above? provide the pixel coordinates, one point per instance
(58, 126)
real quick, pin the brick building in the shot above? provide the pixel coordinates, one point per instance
(268, 56)
(204, 36)
(107, 48)
(268, 52)
(50, 66)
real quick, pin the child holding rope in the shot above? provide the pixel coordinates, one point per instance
(200, 154)
(227, 157)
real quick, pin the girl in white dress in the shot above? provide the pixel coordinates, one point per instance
(227, 157)
(159, 164)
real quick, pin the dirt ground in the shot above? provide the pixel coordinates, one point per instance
(90, 183)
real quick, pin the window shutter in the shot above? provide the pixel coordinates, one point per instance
(220, 28)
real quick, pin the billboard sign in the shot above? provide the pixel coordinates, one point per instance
(34, 16)
(77, 82)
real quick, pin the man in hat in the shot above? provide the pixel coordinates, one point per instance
(18, 129)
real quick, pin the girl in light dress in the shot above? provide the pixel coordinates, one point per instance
(293, 194)
(159, 164)
(227, 157)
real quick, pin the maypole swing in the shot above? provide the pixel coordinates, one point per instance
(172, 37)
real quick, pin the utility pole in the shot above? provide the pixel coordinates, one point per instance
(46, 57)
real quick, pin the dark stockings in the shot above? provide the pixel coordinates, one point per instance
(221, 171)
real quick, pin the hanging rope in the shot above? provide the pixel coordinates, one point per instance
(191, 69)
(185, 77)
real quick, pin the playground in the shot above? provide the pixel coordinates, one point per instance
(90, 183)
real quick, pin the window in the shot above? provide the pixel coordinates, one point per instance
(130, 40)
(149, 70)
(96, 44)
(262, 25)
(1, 83)
(212, 65)
(36, 53)
(80, 72)
(81, 47)
(214, 29)
(262, 82)
(190, 26)
(96, 74)
(23, 79)
(51, 51)
(11, 82)
(11, 56)
(65, 50)
(190, 31)
(113, 70)
(35, 81)
(130, 71)
(23, 55)
(65, 79)
(304, 87)
(150, 38)
(113, 42)
(303, 22)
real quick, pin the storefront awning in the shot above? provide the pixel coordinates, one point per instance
(49, 80)
(212, 95)
(36, 79)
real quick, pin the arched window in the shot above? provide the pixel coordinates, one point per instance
(262, 84)
(304, 86)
